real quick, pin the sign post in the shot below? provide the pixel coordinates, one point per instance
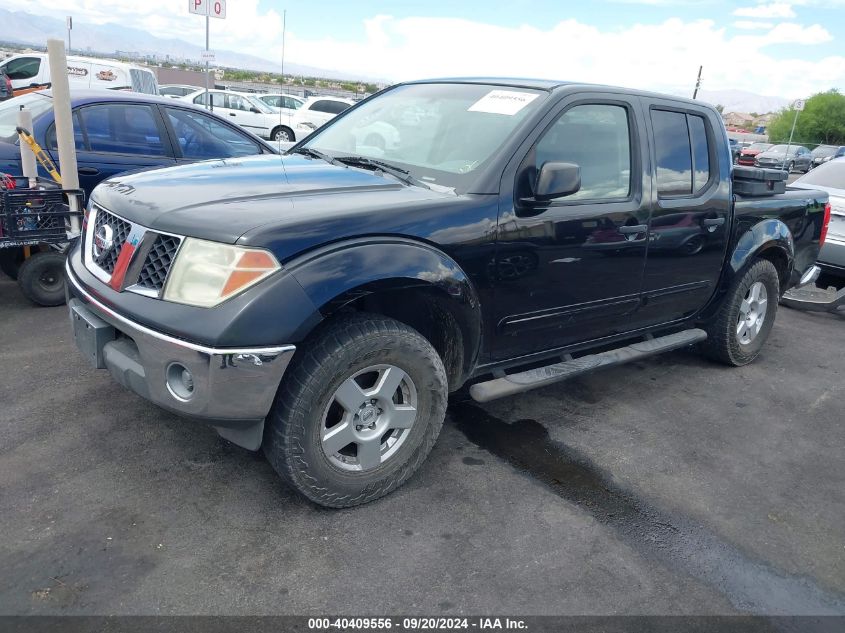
(210, 9)
(798, 105)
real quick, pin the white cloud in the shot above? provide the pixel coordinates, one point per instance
(774, 10)
(752, 25)
(662, 56)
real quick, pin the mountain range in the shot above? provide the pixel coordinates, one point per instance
(20, 27)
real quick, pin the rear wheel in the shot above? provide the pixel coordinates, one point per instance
(357, 412)
(283, 135)
(746, 316)
(42, 278)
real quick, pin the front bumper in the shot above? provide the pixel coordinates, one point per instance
(233, 389)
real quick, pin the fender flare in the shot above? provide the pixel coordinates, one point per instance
(337, 274)
(763, 236)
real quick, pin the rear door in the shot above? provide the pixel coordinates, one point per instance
(690, 210)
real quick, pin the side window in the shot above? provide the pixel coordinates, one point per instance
(595, 137)
(293, 104)
(78, 138)
(236, 102)
(122, 129)
(23, 68)
(700, 151)
(683, 153)
(201, 136)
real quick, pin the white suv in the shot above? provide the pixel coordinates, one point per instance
(315, 112)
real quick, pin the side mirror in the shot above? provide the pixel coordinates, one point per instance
(557, 180)
(255, 110)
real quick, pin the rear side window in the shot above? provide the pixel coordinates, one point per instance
(683, 153)
(122, 129)
(143, 81)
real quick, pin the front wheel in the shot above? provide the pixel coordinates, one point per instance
(357, 412)
(746, 316)
(790, 168)
(42, 278)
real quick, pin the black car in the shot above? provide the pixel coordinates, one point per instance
(321, 305)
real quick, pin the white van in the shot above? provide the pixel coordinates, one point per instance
(31, 71)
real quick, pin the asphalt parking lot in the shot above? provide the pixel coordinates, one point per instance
(668, 486)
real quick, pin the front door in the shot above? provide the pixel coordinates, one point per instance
(571, 269)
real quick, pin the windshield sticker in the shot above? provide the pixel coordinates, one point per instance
(502, 102)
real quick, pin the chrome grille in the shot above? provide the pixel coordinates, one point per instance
(120, 229)
(158, 262)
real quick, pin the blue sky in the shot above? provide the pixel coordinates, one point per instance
(786, 48)
(310, 19)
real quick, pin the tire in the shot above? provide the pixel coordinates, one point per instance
(10, 261)
(791, 167)
(282, 135)
(726, 341)
(305, 432)
(42, 278)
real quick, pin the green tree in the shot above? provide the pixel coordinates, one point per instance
(821, 121)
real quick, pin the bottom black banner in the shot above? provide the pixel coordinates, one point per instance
(403, 624)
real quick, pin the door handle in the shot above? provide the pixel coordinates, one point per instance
(88, 171)
(633, 230)
(232, 114)
(713, 221)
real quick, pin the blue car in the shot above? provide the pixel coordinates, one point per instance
(122, 131)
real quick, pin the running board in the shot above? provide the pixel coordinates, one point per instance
(542, 376)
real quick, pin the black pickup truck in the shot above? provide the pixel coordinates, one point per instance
(495, 234)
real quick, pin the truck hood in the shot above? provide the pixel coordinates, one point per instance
(222, 200)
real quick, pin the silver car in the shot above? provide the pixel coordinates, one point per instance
(830, 177)
(777, 157)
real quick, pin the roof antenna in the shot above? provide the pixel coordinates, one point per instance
(697, 83)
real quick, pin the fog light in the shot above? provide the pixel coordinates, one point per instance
(180, 382)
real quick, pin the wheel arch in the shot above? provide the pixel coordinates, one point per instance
(408, 280)
(768, 239)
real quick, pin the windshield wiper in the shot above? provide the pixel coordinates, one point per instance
(313, 153)
(397, 172)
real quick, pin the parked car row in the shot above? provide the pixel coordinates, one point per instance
(277, 117)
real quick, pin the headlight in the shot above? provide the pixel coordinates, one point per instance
(207, 273)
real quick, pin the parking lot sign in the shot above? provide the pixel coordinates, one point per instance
(799, 105)
(211, 8)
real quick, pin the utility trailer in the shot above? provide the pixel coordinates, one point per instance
(35, 234)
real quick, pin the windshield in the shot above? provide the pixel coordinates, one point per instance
(760, 146)
(782, 149)
(34, 102)
(830, 175)
(258, 103)
(441, 133)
